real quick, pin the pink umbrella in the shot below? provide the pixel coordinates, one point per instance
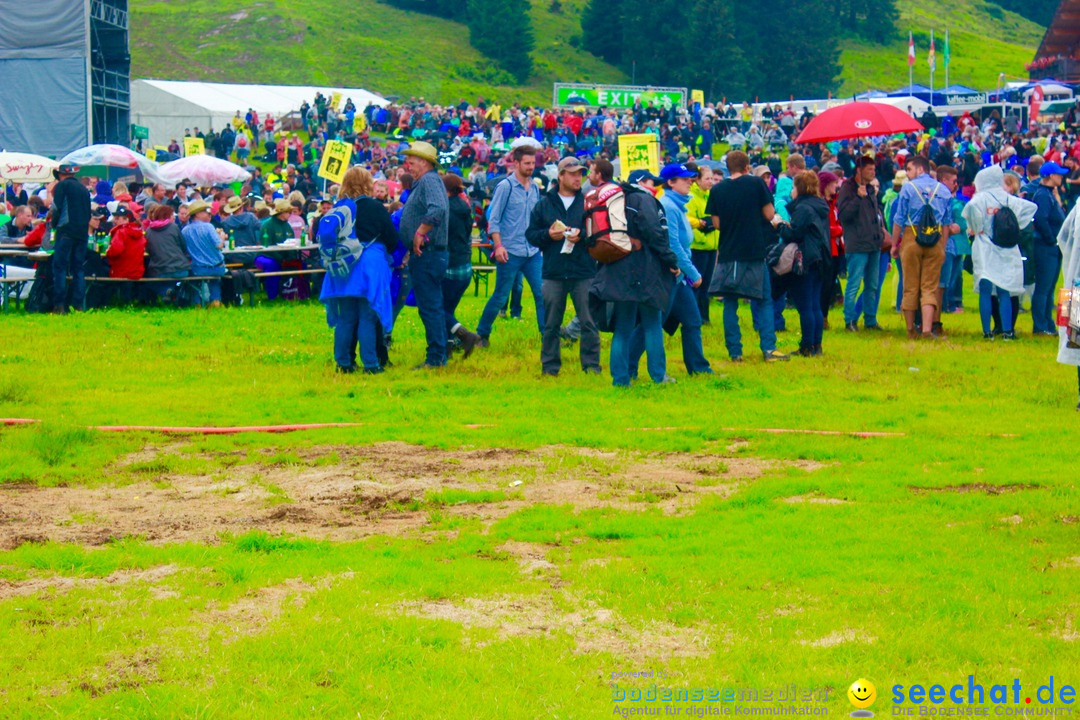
(203, 170)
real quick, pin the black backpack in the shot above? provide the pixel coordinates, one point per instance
(927, 229)
(1005, 228)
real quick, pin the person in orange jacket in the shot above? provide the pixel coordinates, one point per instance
(127, 246)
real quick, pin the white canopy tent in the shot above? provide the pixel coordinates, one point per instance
(168, 107)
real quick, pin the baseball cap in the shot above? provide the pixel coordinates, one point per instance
(122, 212)
(672, 171)
(762, 171)
(1052, 168)
(571, 164)
(639, 175)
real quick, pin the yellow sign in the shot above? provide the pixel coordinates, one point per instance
(335, 161)
(151, 154)
(639, 152)
(335, 100)
(359, 123)
(194, 146)
(697, 96)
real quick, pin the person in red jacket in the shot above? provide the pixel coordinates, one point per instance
(127, 247)
(830, 185)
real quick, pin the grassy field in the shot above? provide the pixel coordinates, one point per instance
(393, 52)
(490, 544)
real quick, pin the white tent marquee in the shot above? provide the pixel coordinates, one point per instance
(168, 107)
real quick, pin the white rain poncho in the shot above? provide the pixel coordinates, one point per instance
(1069, 242)
(1004, 267)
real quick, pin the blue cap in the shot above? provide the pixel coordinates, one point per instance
(1052, 168)
(676, 170)
(638, 175)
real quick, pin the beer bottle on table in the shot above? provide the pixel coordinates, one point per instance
(232, 239)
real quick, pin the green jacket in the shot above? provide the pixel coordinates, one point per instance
(275, 232)
(695, 210)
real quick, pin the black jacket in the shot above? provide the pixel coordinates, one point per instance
(859, 218)
(71, 207)
(576, 265)
(644, 275)
(374, 223)
(809, 228)
(459, 232)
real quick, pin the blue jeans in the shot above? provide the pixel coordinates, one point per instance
(954, 291)
(427, 272)
(762, 313)
(626, 319)
(505, 273)
(684, 308)
(986, 292)
(209, 290)
(452, 290)
(356, 323)
(164, 288)
(862, 268)
(1043, 302)
(69, 255)
(805, 292)
(899, 284)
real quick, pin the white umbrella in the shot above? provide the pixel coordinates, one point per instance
(114, 156)
(24, 167)
(203, 170)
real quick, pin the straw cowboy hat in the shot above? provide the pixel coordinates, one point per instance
(234, 204)
(282, 206)
(424, 151)
(198, 206)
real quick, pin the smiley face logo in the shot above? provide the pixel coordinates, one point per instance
(862, 693)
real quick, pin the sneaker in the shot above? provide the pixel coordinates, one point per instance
(737, 359)
(937, 330)
(851, 327)
(484, 342)
(593, 371)
(346, 370)
(373, 370)
(549, 373)
(817, 351)
(988, 336)
(427, 366)
(805, 351)
(668, 380)
(1008, 336)
(874, 327)
(776, 355)
(1046, 333)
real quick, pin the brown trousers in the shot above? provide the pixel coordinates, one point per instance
(922, 271)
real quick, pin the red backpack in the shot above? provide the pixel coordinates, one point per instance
(605, 224)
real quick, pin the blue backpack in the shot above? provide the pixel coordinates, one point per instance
(338, 245)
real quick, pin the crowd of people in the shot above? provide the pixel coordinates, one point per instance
(767, 221)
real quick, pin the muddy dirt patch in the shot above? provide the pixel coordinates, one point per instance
(987, 488)
(348, 492)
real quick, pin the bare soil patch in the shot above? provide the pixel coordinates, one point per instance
(987, 488)
(60, 584)
(348, 492)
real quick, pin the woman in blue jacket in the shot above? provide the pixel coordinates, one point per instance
(355, 240)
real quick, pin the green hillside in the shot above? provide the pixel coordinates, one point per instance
(394, 52)
(353, 43)
(985, 39)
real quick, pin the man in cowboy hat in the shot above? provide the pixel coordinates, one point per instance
(276, 228)
(423, 228)
(70, 216)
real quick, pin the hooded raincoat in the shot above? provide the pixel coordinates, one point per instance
(1004, 267)
(1069, 243)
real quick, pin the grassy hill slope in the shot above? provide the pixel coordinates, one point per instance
(393, 52)
(985, 40)
(357, 43)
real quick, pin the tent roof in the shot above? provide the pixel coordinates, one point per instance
(916, 88)
(274, 99)
(959, 90)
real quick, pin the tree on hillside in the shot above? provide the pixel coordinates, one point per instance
(716, 45)
(868, 19)
(1038, 11)
(502, 30)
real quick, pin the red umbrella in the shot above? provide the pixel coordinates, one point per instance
(858, 119)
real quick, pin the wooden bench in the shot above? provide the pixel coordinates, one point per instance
(481, 273)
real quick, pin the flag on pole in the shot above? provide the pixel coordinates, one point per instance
(946, 48)
(911, 49)
(930, 57)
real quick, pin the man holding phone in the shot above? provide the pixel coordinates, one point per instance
(555, 227)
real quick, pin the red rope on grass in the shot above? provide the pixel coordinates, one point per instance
(196, 430)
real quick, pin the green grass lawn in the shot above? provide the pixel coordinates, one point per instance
(490, 544)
